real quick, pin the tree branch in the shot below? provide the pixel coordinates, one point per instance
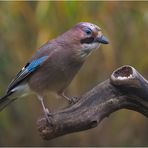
(126, 88)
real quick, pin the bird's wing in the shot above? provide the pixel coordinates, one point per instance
(28, 69)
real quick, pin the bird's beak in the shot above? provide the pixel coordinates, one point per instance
(102, 39)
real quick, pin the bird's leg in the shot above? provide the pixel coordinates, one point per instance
(71, 100)
(48, 115)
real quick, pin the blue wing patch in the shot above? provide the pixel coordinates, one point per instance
(36, 63)
(26, 71)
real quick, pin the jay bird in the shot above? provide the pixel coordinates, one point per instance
(55, 64)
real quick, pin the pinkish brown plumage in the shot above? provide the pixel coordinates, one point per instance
(55, 64)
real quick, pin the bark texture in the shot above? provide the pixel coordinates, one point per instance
(125, 88)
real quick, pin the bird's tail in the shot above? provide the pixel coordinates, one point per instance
(5, 100)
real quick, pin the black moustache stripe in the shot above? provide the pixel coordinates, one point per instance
(87, 40)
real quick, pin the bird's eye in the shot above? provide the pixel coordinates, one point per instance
(88, 31)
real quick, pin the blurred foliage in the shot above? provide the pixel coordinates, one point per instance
(25, 26)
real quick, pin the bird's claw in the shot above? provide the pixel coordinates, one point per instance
(73, 100)
(48, 116)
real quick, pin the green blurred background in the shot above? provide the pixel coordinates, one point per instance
(25, 26)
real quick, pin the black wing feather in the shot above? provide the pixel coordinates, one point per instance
(26, 71)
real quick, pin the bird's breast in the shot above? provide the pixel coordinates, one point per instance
(56, 73)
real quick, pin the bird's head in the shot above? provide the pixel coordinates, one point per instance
(89, 36)
(85, 37)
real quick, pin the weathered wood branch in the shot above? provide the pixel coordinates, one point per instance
(126, 88)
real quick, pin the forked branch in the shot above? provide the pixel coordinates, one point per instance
(126, 88)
